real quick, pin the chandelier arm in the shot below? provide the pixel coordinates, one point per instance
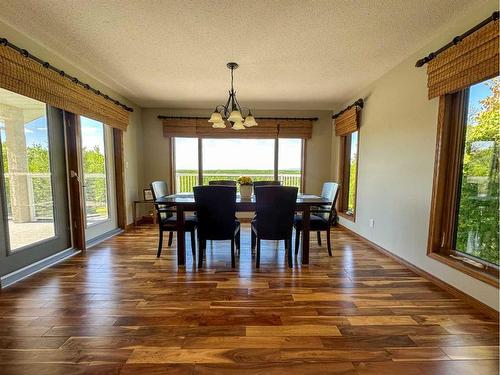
(248, 110)
(238, 105)
(221, 109)
(228, 105)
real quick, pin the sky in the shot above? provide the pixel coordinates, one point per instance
(237, 153)
(36, 133)
(477, 92)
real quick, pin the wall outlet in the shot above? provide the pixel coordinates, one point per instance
(372, 223)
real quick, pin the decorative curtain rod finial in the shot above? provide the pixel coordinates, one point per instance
(358, 103)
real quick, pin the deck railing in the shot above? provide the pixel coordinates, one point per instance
(40, 199)
(184, 182)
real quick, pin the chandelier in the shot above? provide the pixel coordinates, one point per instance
(232, 111)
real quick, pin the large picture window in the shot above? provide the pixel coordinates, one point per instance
(228, 159)
(465, 214)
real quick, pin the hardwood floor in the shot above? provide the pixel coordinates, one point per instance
(118, 309)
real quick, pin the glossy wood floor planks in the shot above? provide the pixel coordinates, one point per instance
(118, 309)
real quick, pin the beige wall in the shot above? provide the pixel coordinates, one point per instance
(132, 137)
(396, 161)
(156, 148)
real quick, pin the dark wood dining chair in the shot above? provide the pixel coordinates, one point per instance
(222, 182)
(321, 219)
(266, 183)
(167, 219)
(216, 213)
(274, 208)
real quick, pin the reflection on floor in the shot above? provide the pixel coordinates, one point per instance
(22, 234)
(119, 309)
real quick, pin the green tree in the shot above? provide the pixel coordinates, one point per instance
(94, 163)
(478, 220)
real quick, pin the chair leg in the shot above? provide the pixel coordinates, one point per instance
(253, 241)
(160, 243)
(328, 243)
(297, 241)
(238, 240)
(233, 262)
(257, 257)
(193, 245)
(318, 234)
(170, 238)
(201, 248)
(289, 252)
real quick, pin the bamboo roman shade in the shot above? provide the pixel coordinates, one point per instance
(27, 77)
(267, 128)
(472, 60)
(347, 122)
(295, 129)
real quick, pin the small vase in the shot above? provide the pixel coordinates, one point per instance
(246, 191)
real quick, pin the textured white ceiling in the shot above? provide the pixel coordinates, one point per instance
(298, 54)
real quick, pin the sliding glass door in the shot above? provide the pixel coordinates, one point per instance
(98, 179)
(34, 214)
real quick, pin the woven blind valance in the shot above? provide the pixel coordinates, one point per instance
(347, 122)
(472, 60)
(267, 128)
(27, 77)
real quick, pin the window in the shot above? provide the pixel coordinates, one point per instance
(465, 214)
(290, 161)
(348, 174)
(477, 222)
(228, 159)
(94, 171)
(26, 169)
(185, 163)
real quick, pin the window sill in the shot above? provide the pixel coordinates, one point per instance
(347, 216)
(466, 268)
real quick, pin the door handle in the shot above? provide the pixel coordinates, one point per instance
(74, 175)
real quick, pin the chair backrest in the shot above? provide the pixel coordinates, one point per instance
(222, 182)
(275, 209)
(266, 183)
(215, 211)
(160, 189)
(330, 191)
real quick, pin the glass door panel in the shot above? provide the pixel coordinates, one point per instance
(98, 178)
(33, 193)
(27, 176)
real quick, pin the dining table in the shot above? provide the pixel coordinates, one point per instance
(184, 202)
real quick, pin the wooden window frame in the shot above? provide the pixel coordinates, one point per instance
(450, 140)
(344, 161)
(200, 162)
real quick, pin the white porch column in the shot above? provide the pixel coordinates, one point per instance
(17, 160)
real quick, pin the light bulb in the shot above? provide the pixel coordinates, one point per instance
(219, 125)
(250, 121)
(216, 117)
(238, 125)
(235, 116)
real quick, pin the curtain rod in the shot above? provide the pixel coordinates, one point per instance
(456, 40)
(358, 103)
(162, 117)
(62, 73)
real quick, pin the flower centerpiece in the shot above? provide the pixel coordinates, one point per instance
(246, 185)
